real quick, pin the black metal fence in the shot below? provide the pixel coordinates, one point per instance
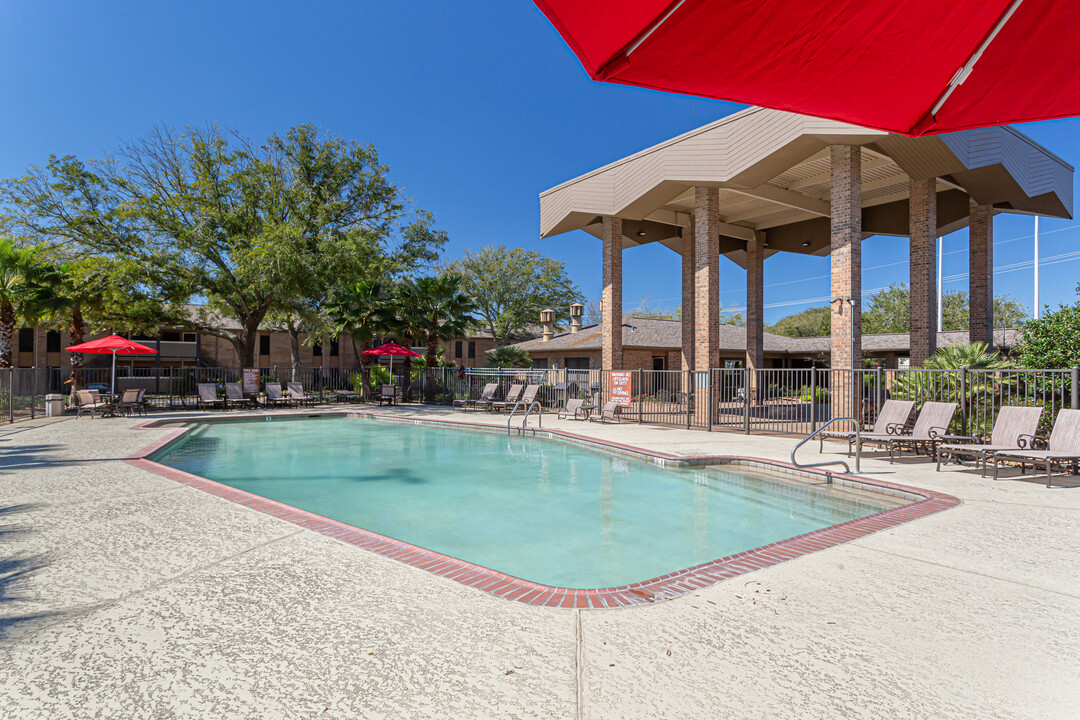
(784, 401)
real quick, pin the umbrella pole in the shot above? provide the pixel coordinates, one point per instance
(112, 383)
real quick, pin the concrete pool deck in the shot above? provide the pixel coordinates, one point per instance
(126, 594)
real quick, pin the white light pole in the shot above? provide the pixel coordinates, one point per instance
(1036, 267)
(940, 275)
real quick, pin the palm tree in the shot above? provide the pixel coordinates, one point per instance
(973, 356)
(436, 309)
(363, 312)
(508, 356)
(29, 291)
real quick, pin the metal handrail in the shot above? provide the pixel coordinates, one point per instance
(524, 420)
(808, 438)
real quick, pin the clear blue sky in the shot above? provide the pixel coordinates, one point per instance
(476, 106)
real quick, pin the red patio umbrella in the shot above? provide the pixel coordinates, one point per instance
(916, 67)
(393, 350)
(115, 345)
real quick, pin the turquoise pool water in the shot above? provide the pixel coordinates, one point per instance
(537, 509)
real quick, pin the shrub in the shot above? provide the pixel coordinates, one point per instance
(508, 356)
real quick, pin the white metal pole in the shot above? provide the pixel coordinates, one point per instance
(940, 276)
(1037, 267)
(112, 383)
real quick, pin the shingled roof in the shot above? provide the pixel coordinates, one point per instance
(667, 334)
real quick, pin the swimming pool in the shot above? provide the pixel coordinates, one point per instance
(547, 512)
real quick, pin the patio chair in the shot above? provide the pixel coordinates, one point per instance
(129, 402)
(893, 418)
(610, 411)
(298, 396)
(932, 423)
(486, 397)
(85, 401)
(234, 395)
(527, 398)
(1063, 448)
(572, 409)
(1014, 429)
(388, 394)
(511, 399)
(274, 396)
(208, 396)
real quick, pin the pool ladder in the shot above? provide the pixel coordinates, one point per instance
(811, 436)
(534, 405)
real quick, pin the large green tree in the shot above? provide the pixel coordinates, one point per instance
(812, 322)
(1052, 341)
(253, 230)
(511, 286)
(889, 311)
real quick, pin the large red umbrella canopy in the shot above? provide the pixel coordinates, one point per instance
(113, 344)
(914, 67)
(392, 349)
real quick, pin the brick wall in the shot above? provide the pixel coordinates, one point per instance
(612, 293)
(981, 274)
(706, 277)
(923, 251)
(755, 298)
(846, 239)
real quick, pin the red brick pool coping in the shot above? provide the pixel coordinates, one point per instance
(513, 588)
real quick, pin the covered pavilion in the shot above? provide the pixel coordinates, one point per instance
(764, 181)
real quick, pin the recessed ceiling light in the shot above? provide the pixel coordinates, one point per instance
(806, 244)
(641, 233)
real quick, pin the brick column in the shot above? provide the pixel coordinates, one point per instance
(755, 322)
(846, 231)
(846, 257)
(688, 263)
(923, 232)
(706, 278)
(981, 274)
(612, 357)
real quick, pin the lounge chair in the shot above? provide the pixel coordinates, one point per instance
(298, 396)
(892, 419)
(1063, 448)
(572, 409)
(527, 398)
(274, 396)
(933, 422)
(129, 402)
(208, 396)
(1014, 429)
(86, 401)
(511, 399)
(610, 411)
(234, 395)
(486, 397)
(388, 394)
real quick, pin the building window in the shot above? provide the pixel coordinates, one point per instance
(316, 350)
(457, 349)
(577, 363)
(540, 363)
(472, 349)
(170, 336)
(658, 363)
(190, 337)
(335, 348)
(264, 344)
(52, 341)
(26, 340)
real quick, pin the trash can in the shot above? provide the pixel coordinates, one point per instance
(54, 405)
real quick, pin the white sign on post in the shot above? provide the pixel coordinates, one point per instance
(620, 387)
(251, 381)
